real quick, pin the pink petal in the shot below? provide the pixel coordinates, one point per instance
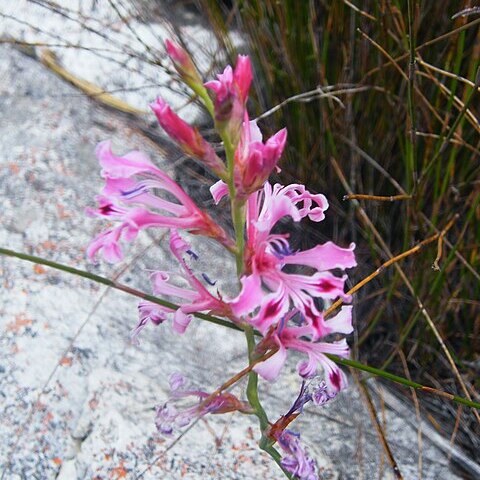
(273, 308)
(335, 377)
(107, 242)
(255, 133)
(122, 167)
(270, 368)
(243, 75)
(250, 297)
(325, 257)
(218, 191)
(178, 245)
(177, 53)
(181, 321)
(342, 322)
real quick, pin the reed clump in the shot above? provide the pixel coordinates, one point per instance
(381, 99)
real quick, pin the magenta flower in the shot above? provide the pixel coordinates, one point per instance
(127, 199)
(170, 417)
(187, 137)
(299, 338)
(296, 459)
(255, 160)
(195, 297)
(267, 254)
(231, 92)
(149, 312)
(183, 64)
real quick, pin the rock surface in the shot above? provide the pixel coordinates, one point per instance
(77, 398)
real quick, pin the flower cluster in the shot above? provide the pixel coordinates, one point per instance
(169, 417)
(282, 293)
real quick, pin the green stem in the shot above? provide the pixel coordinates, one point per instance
(277, 458)
(252, 386)
(237, 206)
(224, 323)
(265, 444)
(239, 219)
(113, 284)
(202, 92)
(453, 128)
(238, 216)
(402, 381)
(411, 90)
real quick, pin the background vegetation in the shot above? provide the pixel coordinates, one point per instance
(390, 107)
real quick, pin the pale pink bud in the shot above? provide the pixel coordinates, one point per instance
(187, 137)
(255, 160)
(183, 63)
(231, 93)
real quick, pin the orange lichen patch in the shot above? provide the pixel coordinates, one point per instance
(61, 211)
(14, 168)
(20, 322)
(244, 459)
(119, 472)
(48, 245)
(48, 417)
(93, 403)
(57, 461)
(39, 269)
(66, 361)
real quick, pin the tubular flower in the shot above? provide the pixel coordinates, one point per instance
(150, 312)
(169, 416)
(296, 459)
(127, 199)
(196, 298)
(255, 160)
(267, 254)
(183, 64)
(187, 137)
(299, 338)
(230, 94)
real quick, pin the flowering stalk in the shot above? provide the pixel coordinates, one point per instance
(285, 307)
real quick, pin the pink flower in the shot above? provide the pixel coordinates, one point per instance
(188, 138)
(299, 338)
(296, 459)
(255, 160)
(169, 417)
(183, 64)
(127, 199)
(231, 92)
(195, 297)
(268, 254)
(283, 304)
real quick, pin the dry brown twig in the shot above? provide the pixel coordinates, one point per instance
(393, 260)
(377, 198)
(378, 427)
